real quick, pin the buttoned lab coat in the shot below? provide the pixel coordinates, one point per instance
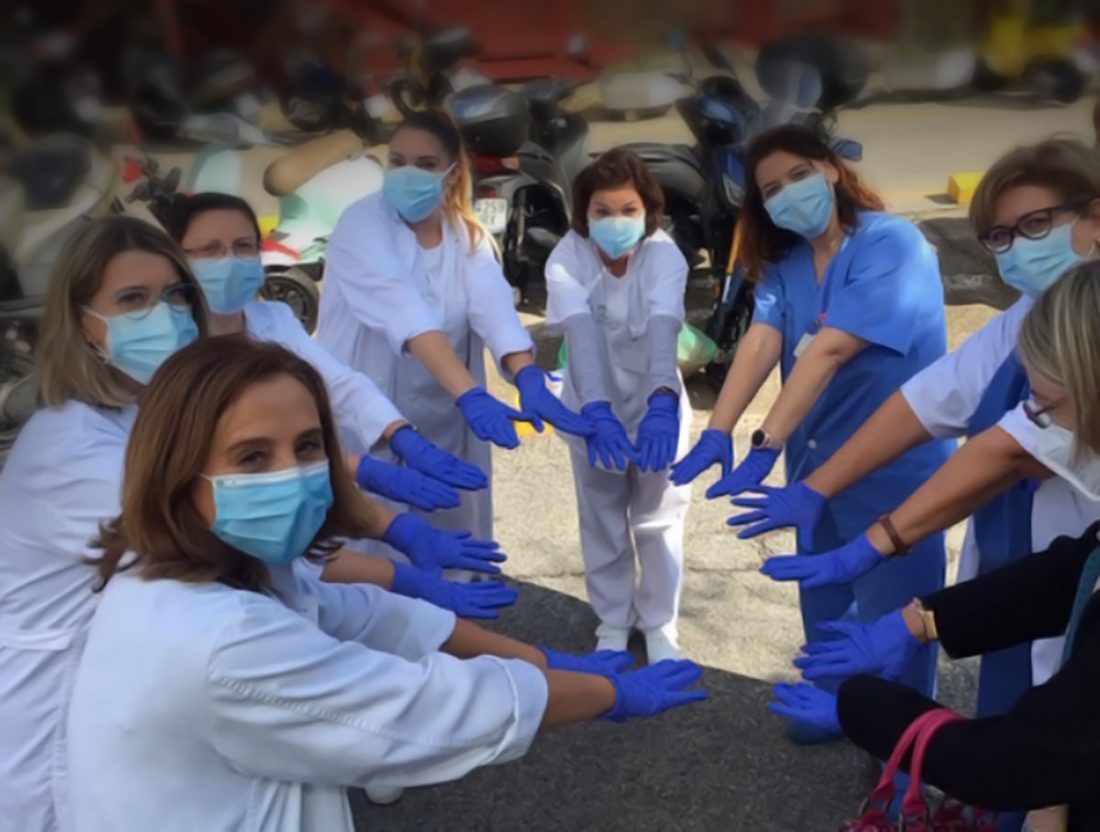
(207, 707)
(361, 408)
(62, 479)
(379, 296)
(945, 396)
(622, 307)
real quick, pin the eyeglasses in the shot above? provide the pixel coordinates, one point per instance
(136, 303)
(1034, 225)
(218, 249)
(1040, 416)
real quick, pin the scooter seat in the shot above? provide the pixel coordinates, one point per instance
(657, 152)
(51, 174)
(446, 48)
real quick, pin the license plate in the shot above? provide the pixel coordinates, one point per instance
(493, 214)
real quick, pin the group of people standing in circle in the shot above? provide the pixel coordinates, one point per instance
(240, 562)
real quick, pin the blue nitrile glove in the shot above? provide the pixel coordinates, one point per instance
(807, 705)
(840, 566)
(655, 689)
(883, 647)
(746, 476)
(419, 453)
(464, 600)
(490, 420)
(539, 403)
(796, 505)
(609, 444)
(659, 432)
(404, 485)
(713, 446)
(434, 549)
(600, 663)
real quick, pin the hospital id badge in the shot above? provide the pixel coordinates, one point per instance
(803, 344)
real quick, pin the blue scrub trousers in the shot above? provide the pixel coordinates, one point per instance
(885, 588)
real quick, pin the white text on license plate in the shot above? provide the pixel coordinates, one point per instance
(493, 214)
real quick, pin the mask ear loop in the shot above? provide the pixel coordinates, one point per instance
(102, 353)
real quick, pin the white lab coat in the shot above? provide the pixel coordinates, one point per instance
(202, 707)
(362, 410)
(379, 294)
(625, 516)
(61, 480)
(944, 397)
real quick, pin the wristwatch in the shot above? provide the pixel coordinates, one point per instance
(761, 440)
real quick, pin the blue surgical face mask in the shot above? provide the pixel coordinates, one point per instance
(228, 283)
(1032, 266)
(414, 192)
(138, 346)
(804, 207)
(617, 236)
(272, 516)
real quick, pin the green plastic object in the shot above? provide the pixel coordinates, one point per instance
(694, 351)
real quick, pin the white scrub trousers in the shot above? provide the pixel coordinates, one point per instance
(626, 518)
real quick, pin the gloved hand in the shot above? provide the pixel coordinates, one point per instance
(883, 647)
(659, 432)
(417, 452)
(464, 600)
(796, 505)
(655, 689)
(840, 566)
(609, 444)
(490, 420)
(807, 705)
(433, 549)
(404, 485)
(600, 663)
(713, 446)
(746, 476)
(539, 403)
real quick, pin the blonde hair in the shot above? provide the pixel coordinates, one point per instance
(1060, 340)
(1063, 165)
(458, 202)
(68, 366)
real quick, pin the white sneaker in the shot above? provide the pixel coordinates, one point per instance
(659, 647)
(612, 638)
(383, 795)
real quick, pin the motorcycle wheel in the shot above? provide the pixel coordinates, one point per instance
(1055, 80)
(726, 330)
(408, 96)
(297, 290)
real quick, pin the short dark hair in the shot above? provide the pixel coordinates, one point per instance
(185, 207)
(762, 241)
(614, 169)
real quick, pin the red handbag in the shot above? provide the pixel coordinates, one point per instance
(917, 813)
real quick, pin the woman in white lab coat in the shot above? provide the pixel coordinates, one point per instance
(220, 235)
(1038, 210)
(121, 301)
(413, 295)
(218, 691)
(615, 287)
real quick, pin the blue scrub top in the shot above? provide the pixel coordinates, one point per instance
(883, 286)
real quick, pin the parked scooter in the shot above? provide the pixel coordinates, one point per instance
(49, 191)
(433, 71)
(314, 182)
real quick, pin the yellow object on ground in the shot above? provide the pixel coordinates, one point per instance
(961, 186)
(268, 223)
(525, 430)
